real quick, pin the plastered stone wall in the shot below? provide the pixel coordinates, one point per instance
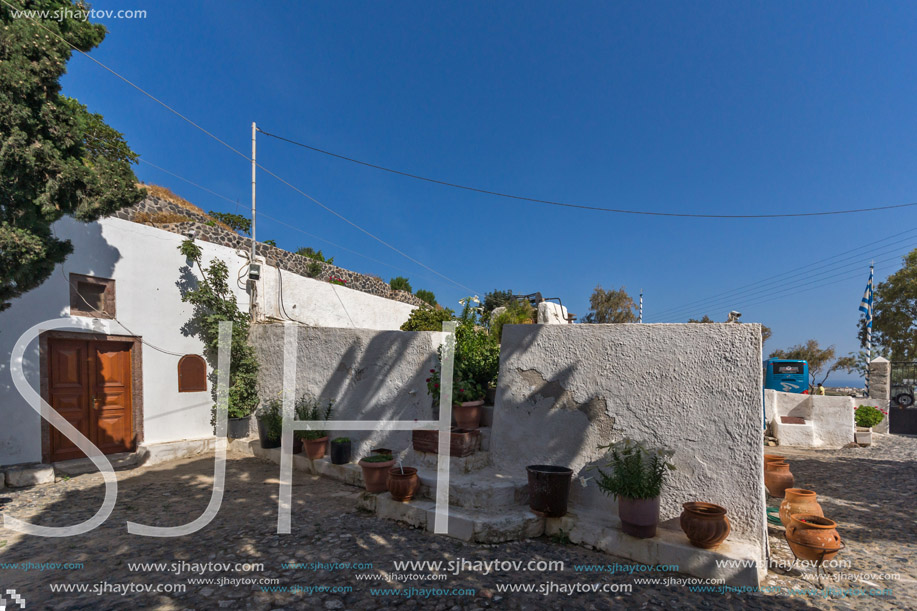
(370, 375)
(829, 420)
(566, 389)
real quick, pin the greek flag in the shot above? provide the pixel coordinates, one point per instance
(866, 303)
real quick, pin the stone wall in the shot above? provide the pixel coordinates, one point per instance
(152, 209)
(564, 390)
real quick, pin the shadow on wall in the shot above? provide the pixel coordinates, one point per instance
(20, 439)
(369, 374)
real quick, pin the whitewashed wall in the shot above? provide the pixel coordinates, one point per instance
(322, 304)
(145, 262)
(564, 390)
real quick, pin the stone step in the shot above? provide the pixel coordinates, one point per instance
(33, 474)
(80, 466)
(485, 489)
(457, 464)
(735, 562)
(467, 525)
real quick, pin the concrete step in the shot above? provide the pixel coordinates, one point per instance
(485, 489)
(733, 561)
(467, 525)
(457, 464)
(80, 466)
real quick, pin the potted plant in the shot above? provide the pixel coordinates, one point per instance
(866, 417)
(403, 483)
(340, 450)
(636, 478)
(477, 362)
(270, 424)
(315, 441)
(375, 471)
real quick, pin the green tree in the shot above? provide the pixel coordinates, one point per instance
(612, 306)
(214, 302)
(236, 222)
(894, 324)
(400, 283)
(56, 158)
(316, 255)
(819, 359)
(496, 299)
(426, 296)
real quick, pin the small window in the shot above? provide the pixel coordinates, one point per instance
(192, 373)
(92, 296)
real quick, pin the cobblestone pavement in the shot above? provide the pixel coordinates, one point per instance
(869, 491)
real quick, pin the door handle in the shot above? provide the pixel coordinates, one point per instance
(95, 403)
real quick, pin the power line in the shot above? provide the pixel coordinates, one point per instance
(280, 222)
(762, 286)
(809, 285)
(580, 206)
(236, 151)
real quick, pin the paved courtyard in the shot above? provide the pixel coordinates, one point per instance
(340, 555)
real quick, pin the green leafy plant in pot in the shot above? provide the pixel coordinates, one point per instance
(340, 450)
(270, 423)
(635, 480)
(313, 408)
(375, 471)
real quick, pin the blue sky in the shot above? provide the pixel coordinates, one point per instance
(729, 108)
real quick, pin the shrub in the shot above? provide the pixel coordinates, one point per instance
(400, 284)
(340, 440)
(868, 416)
(316, 255)
(312, 408)
(271, 415)
(214, 302)
(516, 313)
(636, 471)
(314, 269)
(236, 221)
(496, 299)
(425, 319)
(426, 296)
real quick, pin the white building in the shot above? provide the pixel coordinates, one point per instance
(111, 332)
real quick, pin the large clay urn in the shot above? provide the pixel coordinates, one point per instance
(778, 478)
(813, 538)
(705, 524)
(468, 414)
(772, 458)
(798, 500)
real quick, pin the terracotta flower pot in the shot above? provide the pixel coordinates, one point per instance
(403, 483)
(639, 517)
(705, 524)
(772, 458)
(375, 475)
(777, 479)
(798, 500)
(315, 448)
(297, 445)
(813, 537)
(381, 451)
(468, 414)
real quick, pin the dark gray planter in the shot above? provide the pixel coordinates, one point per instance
(340, 453)
(238, 428)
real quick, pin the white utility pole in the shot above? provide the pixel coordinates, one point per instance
(254, 165)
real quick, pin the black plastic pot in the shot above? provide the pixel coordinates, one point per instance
(340, 452)
(238, 428)
(262, 436)
(549, 489)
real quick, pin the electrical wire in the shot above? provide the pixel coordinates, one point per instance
(581, 206)
(262, 215)
(235, 150)
(770, 280)
(766, 287)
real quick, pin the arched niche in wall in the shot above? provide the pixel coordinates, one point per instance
(192, 373)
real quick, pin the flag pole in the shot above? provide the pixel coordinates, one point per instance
(641, 306)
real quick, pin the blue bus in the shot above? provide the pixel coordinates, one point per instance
(786, 376)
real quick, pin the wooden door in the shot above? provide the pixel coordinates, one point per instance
(89, 384)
